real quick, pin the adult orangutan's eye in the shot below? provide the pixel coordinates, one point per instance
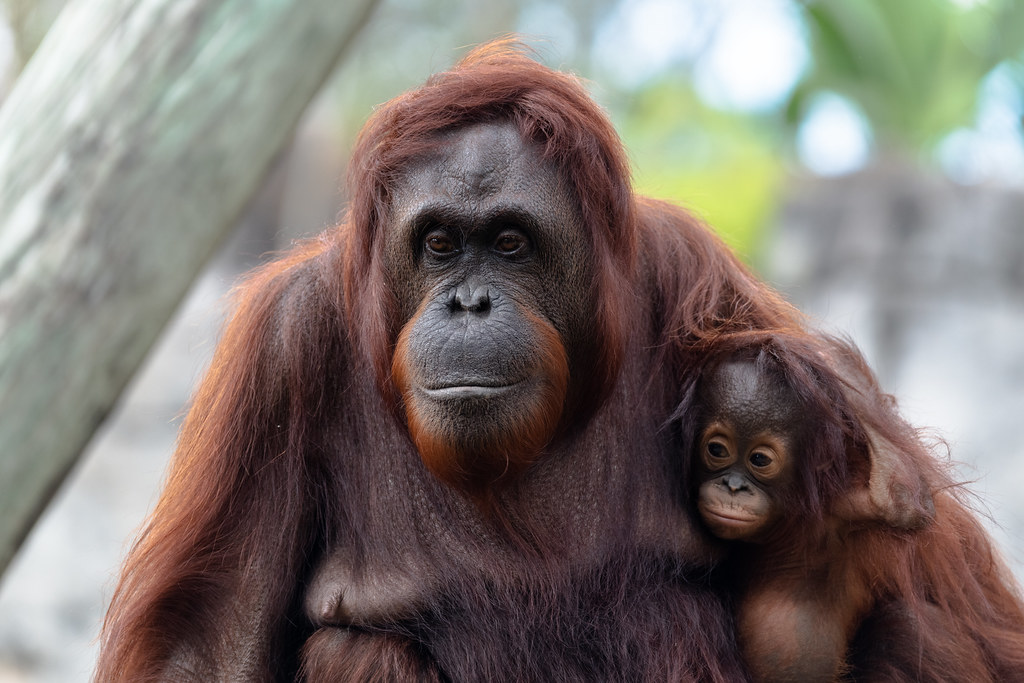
(439, 243)
(511, 242)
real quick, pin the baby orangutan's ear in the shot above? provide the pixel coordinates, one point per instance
(896, 494)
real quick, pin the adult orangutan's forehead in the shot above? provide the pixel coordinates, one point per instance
(473, 163)
(482, 170)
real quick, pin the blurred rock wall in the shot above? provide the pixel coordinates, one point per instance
(928, 278)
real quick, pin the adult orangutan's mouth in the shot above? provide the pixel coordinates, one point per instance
(467, 391)
(462, 389)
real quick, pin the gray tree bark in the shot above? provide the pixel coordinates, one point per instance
(128, 147)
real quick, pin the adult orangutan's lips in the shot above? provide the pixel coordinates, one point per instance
(468, 391)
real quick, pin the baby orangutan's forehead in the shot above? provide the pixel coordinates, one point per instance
(751, 399)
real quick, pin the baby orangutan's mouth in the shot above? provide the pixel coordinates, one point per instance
(729, 515)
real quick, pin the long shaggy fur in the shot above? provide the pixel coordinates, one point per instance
(291, 451)
(331, 655)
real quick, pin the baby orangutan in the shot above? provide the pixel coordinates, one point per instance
(747, 478)
(839, 565)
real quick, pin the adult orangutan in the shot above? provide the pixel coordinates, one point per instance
(431, 441)
(780, 458)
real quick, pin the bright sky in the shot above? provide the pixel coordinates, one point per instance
(757, 56)
(641, 37)
(993, 148)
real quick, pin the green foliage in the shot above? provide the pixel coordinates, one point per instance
(913, 66)
(722, 166)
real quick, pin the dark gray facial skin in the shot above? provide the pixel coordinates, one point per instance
(745, 451)
(488, 258)
(484, 181)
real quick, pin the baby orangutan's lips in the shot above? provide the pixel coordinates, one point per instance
(729, 522)
(730, 516)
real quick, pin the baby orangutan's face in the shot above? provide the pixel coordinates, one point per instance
(745, 456)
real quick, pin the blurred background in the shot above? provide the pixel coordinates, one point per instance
(867, 158)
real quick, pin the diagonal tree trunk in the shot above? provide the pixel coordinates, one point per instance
(127, 148)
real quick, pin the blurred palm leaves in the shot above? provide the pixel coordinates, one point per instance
(912, 66)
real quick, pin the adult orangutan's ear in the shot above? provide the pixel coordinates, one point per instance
(896, 493)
